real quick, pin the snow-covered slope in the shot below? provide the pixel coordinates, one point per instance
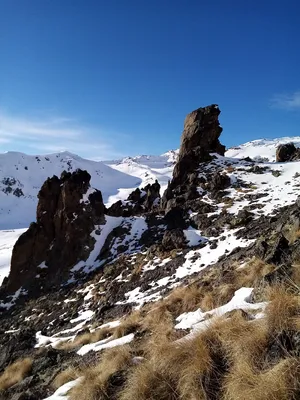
(7, 241)
(21, 177)
(261, 149)
(147, 169)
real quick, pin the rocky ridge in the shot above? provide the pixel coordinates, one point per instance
(215, 218)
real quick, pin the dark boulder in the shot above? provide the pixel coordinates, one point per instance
(139, 201)
(14, 346)
(286, 152)
(219, 182)
(174, 239)
(176, 217)
(135, 196)
(242, 218)
(275, 250)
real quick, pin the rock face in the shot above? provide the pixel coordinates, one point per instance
(138, 202)
(287, 152)
(174, 239)
(67, 212)
(199, 139)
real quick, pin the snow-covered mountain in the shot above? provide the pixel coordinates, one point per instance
(21, 177)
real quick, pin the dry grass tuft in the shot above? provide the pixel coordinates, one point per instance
(86, 338)
(252, 273)
(279, 382)
(103, 380)
(129, 325)
(283, 310)
(65, 376)
(15, 373)
(217, 297)
(229, 360)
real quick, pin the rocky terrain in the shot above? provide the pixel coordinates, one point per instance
(187, 289)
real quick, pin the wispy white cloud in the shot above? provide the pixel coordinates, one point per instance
(286, 101)
(53, 134)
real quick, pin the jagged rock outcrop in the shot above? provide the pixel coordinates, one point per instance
(199, 139)
(287, 152)
(174, 239)
(139, 201)
(67, 212)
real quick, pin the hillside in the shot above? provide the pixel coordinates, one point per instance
(170, 277)
(261, 149)
(21, 177)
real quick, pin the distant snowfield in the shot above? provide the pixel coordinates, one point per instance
(147, 169)
(7, 241)
(261, 149)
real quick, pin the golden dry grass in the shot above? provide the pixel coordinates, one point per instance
(283, 310)
(15, 373)
(217, 297)
(100, 381)
(86, 338)
(229, 360)
(280, 382)
(128, 325)
(252, 273)
(65, 376)
(236, 357)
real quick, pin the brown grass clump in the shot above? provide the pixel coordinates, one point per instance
(229, 360)
(261, 357)
(184, 299)
(15, 373)
(283, 310)
(252, 273)
(147, 382)
(65, 376)
(86, 338)
(217, 297)
(235, 357)
(280, 382)
(185, 369)
(103, 380)
(129, 325)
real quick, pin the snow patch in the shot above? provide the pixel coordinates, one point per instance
(62, 392)
(105, 344)
(197, 319)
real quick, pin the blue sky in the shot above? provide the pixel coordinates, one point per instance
(106, 79)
